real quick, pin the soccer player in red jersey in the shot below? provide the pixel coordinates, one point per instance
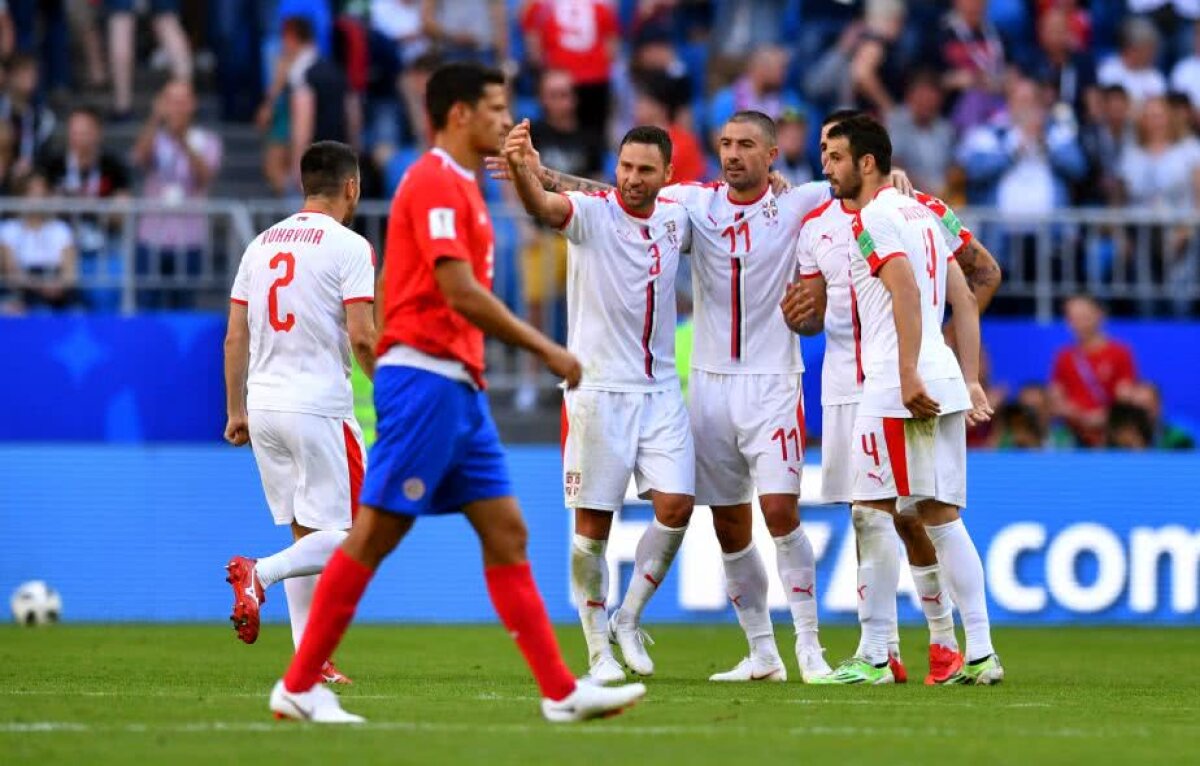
(438, 450)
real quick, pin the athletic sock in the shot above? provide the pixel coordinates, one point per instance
(962, 570)
(651, 562)
(798, 573)
(519, 605)
(935, 602)
(306, 556)
(589, 586)
(746, 583)
(299, 592)
(878, 578)
(338, 592)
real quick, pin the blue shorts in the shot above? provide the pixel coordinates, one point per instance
(437, 449)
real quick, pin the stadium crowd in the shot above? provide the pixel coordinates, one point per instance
(1023, 106)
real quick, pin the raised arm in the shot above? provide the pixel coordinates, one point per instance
(550, 208)
(966, 330)
(897, 276)
(551, 180)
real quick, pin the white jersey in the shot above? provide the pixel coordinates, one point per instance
(894, 226)
(742, 264)
(621, 291)
(294, 279)
(824, 249)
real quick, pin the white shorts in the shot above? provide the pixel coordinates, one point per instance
(311, 467)
(911, 460)
(609, 436)
(749, 433)
(837, 466)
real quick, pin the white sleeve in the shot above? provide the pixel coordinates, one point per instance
(954, 233)
(240, 293)
(799, 200)
(63, 237)
(358, 272)
(877, 237)
(806, 262)
(685, 194)
(580, 221)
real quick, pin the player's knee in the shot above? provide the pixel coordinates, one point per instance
(733, 533)
(908, 527)
(594, 525)
(781, 514)
(505, 542)
(674, 511)
(933, 513)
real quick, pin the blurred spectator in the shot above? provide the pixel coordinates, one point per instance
(396, 42)
(1161, 170)
(557, 134)
(1089, 375)
(825, 79)
(32, 123)
(122, 46)
(794, 163)
(8, 34)
(1036, 396)
(747, 25)
(179, 161)
(1183, 119)
(1174, 20)
(41, 31)
(581, 38)
(84, 18)
(761, 88)
(656, 105)
(1057, 63)
(38, 253)
(654, 59)
(469, 29)
(922, 140)
(1021, 162)
(320, 106)
(8, 157)
(1128, 427)
(1147, 396)
(1133, 67)
(876, 68)
(84, 169)
(1017, 427)
(1185, 77)
(1105, 141)
(972, 58)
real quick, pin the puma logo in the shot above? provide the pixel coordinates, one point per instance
(793, 471)
(737, 600)
(876, 477)
(862, 592)
(933, 599)
(808, 591)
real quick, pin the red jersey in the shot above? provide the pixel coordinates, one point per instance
(574, 36)
(1090, 379)
(438, 212)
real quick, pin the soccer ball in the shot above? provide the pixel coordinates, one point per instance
(36, 603)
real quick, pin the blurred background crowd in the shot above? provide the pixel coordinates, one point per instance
(1018, 108)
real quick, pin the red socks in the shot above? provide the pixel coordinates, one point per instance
(517, 601)
(338, 592)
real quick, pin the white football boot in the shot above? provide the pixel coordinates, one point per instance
(590, 701)
(632, 641)
(811, 660)
(318, 705)
(754, 668)
(605, 670)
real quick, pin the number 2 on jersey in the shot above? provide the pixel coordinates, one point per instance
(743, 229)
(288, 321)
(931, 262)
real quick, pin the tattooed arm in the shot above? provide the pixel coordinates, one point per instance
(982, 272)
(554, 181)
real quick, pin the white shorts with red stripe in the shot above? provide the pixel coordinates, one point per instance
(749, 433)
(609, 436)
(837, 462)
(311, 467)
(911, 460)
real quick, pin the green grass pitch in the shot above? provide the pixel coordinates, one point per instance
(192, 694)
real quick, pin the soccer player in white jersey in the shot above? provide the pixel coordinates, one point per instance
(301, 304)
(909, 441)
(823, 299)
(627, 417)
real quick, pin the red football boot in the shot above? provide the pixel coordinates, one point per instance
(943, 664)
(331, 675)
(898, 669)
(248, 596)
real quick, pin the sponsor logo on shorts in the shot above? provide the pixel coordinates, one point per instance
(573, 481)
(414, 489)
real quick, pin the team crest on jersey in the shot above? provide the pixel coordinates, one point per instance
(770, 209)
(573, 481)
(672, 232)
(414, 489)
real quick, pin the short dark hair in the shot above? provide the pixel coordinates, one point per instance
(1115, 89)
(299, 27)
(764, 123)
(649, 134)
(325, 166)
(86, 111)
(866, 136)
(461, 82)
(1122, 415)
(840, 115)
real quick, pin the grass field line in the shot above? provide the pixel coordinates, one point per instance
(605, 729)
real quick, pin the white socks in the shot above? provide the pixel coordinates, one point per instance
(936, 603)
(798, 573)
(963, 572)
(589, 586)
(878, 579)
(299, 592)
(652, 560)
(306, 556)
(746, 585)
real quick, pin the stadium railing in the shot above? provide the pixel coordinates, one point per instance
(1147, 260)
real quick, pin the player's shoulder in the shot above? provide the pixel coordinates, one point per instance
(691, 191)
(817, 212)
(806, 196)
(434, 171)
